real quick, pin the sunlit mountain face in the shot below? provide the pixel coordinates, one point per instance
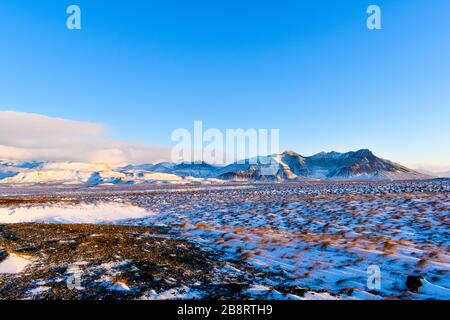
(287, 166)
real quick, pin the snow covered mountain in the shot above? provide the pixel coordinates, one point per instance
(358, 165)
(18, 172)
(200, 170)
(288, 166)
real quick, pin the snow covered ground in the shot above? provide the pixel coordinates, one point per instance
(323, 238)
(102, 212)
(14, 264)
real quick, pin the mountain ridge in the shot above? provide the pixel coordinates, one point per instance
(287, 166)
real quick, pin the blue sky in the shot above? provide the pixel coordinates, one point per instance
(310, 68)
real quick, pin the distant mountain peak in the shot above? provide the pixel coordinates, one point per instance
(324, 154)
(354, 165)
(290, 153)
(364, 153)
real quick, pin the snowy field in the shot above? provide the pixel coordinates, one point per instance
(320, 238)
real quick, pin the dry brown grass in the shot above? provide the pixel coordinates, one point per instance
(202, 226)
(422, 263)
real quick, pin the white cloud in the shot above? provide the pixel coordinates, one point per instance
(27, 136)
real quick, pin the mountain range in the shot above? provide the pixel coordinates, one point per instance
(287, 166)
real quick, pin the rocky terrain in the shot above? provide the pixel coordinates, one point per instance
(108, 262)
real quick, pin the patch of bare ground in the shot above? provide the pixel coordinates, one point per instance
(137, 258)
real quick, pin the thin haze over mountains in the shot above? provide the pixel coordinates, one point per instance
(288, 166)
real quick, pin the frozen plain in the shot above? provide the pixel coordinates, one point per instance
(270, 241)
